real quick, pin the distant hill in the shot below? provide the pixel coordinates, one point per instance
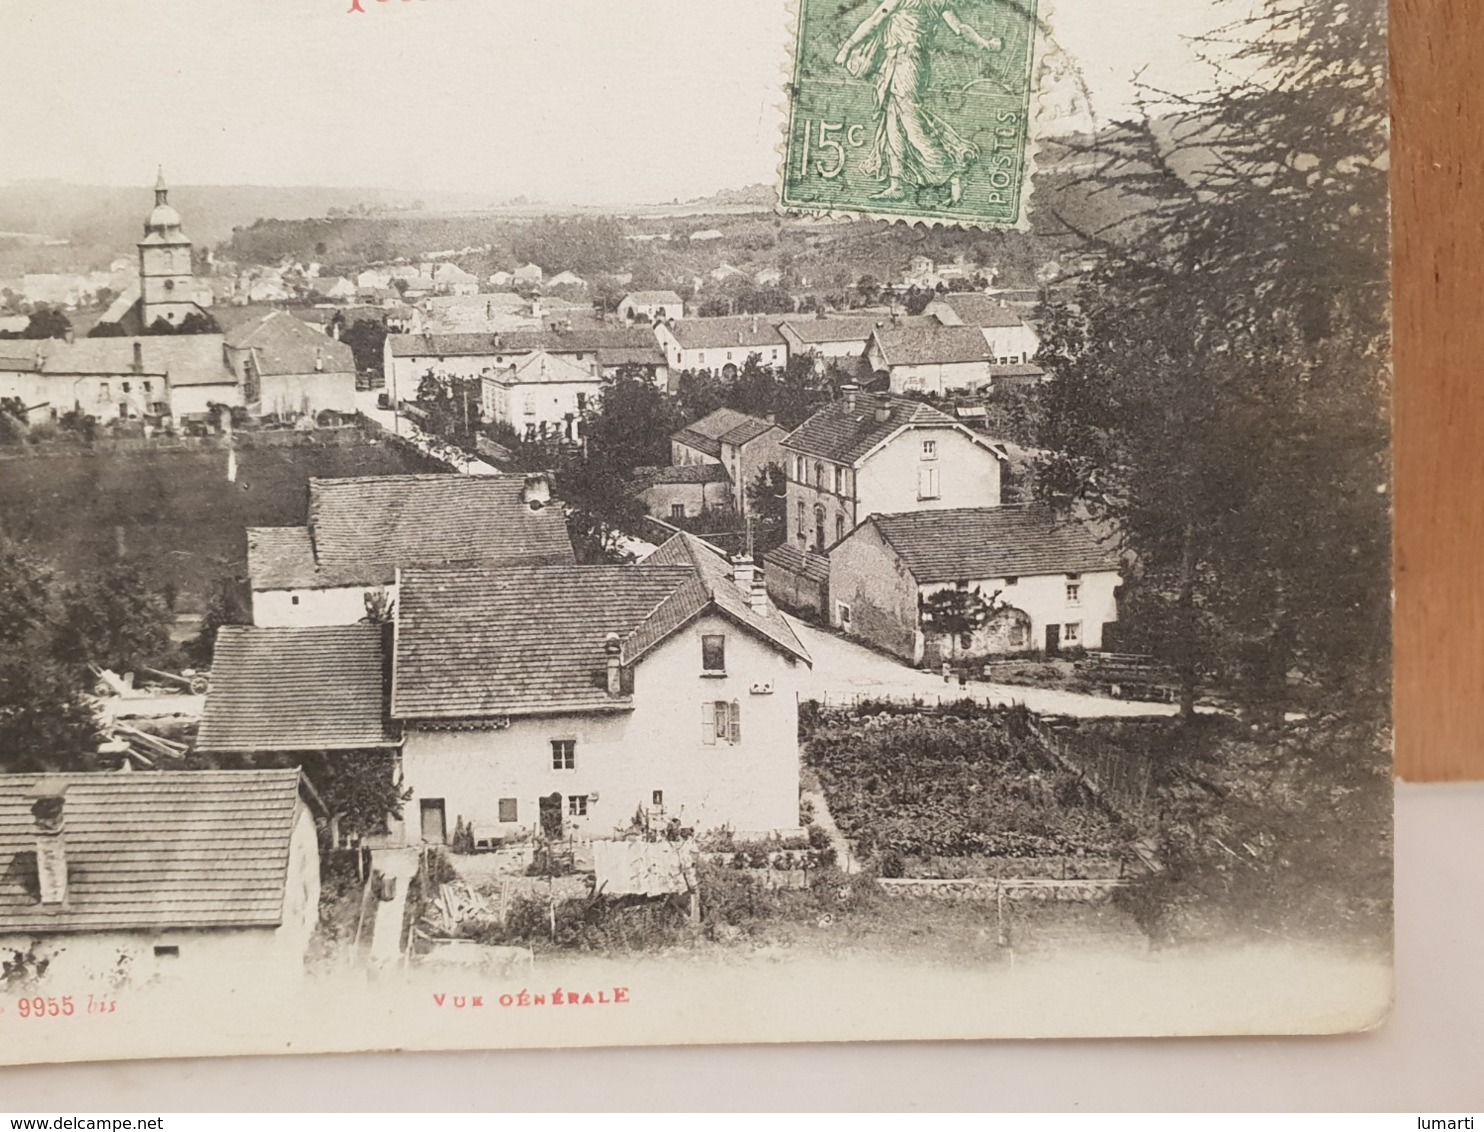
(101, 221)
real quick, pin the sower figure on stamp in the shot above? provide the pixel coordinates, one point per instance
(912, 146)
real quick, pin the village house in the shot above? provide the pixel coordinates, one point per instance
(651, 306)
(527, 275)
(1011, 340)
(741, 444)
(721, 345)
(287, 369)
(871, 454)
(840, 338)
(110, 379)
(571, 704)
(140, 877)
(930, 359)
(1047, 582)
(683, 491)
(541, 396)
(333, 288)
(360, 530)
(548, 700)
(605, 348)
(567, 280)
(451, 279)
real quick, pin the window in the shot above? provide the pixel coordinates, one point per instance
(1074, 593)
(844, 611)
(819, 476)
(1071, 633)
(677, 510)
(167, 951)
(147, 387)
(563, 754)
(927, 483)
(721, 722)
(126, 387)
(1020, 636)
(714, 652)
(507, 809)
(657, 798)
(577, 805)
(581, 402)
(1012, 579)
(839, 527)
(799, 473)
(839, 481)
(102, 390)
(929, 449)
(803, 525)
(294, 600)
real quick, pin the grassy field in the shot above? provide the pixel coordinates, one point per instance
(172, 513)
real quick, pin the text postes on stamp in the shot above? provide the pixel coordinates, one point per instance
(911, 108)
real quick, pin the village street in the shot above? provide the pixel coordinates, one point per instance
(845, 669)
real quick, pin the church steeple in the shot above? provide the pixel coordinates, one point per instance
(162, 194)
(167, 284)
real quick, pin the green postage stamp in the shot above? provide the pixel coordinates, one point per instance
(917, 109)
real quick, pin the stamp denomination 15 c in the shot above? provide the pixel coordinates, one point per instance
(917, 109)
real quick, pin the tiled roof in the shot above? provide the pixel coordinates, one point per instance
(713, 333)
(834, 433)
(647, 477)
(724, 595)
(724, 425)
(648, 354)
(360, 530)
(173, 849)
(982, 310)
(544, 368)
(184, 359)
(1017, 369)
(283, 344)
(792, 560)
(583, 337)
(931, 345)
(993, 542)
(652, 298)
(318, 688)
(850, 328)
(389, 521)
(478, 642)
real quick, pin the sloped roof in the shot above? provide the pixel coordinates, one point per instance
(183, 359)
(715, 333)
(582, 337)
(360, 530)
(789, 558)
(652, 298)
(296, 689)
(477, 642)
(647, 477)
(544, 368)
(648, 354)
(722, 426)
(843, 436)
(389, 521)
(173, 849)
(851, 328)
(931, 345)
(714, 572)
(1017, 369)
(283, 344)
(982, 310)
(967, 544)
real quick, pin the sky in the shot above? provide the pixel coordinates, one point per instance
(577, 101)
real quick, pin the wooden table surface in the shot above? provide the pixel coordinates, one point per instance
(1437, 56)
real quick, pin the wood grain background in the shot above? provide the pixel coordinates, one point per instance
(1437, 56)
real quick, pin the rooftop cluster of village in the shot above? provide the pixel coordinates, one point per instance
(516, 685)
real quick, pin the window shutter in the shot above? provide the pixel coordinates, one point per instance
(708, 723)
(736, 729)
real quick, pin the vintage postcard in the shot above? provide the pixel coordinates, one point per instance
(531, 524)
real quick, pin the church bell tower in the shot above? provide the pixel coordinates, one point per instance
(167, 284)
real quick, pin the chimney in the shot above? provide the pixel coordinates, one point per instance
(850, 389)
(757, 598)
(138, 364)
(744, 571)
(536, 493)
(51, 840)
(612, 647)
(883, 408)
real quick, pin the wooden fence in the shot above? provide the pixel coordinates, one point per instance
(1121, 778)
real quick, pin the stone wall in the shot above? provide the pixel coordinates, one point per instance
(988, 888)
